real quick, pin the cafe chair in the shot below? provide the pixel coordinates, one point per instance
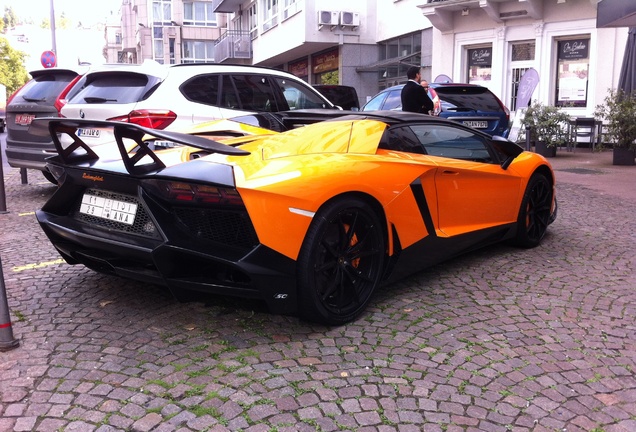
(584, 130)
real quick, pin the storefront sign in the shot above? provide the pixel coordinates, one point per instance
(326, 62)
(299, 68)
(480, 57)
(574, 49)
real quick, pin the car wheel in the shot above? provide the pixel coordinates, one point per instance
(534, 215)
(340, 262)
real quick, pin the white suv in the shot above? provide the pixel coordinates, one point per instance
(175, 97)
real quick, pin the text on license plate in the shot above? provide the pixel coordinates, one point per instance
(477, 124)
(107, 208)
(24, 119)
(92, 133)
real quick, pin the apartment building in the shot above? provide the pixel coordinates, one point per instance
(369, 44)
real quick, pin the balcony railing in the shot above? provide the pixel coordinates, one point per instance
(233, 44)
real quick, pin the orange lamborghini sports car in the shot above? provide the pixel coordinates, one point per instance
(310, 212)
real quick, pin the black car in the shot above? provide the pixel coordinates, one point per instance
(469, 104)
(343, 96)
(42, 96)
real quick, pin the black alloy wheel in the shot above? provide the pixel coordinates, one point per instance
(341, 261)
(534, 214)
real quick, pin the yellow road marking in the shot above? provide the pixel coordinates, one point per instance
(26, 214)
(38, 265)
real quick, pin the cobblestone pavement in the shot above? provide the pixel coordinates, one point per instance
(499, 340)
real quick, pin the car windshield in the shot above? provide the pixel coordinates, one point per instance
(44, 88)
(112, 88)
(457, 98)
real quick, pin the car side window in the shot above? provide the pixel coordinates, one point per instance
(254, 92)
(202, 89)
(401, 138)
(299, 97)
(452, 142)
(393, 100)
(375, 103)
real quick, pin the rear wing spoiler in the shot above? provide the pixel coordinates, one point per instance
(78, 151)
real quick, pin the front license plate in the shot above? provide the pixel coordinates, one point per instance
(107, 208)
(24, 119)
(91, 133)
(477, 124)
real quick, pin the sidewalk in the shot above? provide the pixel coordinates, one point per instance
(594, 170)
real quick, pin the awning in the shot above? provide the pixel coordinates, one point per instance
(616, 13)
(627, 78)
(382, 64)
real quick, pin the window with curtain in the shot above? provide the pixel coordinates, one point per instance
(290, 8)
(198, 51)
(199, 14)
(253, 20)
(162, 12)
(270, 14)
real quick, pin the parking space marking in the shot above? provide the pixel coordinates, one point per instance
(18, 269)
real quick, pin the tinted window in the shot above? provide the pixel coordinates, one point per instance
(401, 138)
(344, 96)
(255, 92)
(299, 96)
(202, 89)
(112, 88)
(456, 143)
(44, 88)
(468, 99)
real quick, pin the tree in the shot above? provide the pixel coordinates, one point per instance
(12, 71)
(9, 20)
(61, 22)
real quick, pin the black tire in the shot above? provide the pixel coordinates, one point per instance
(340, 262)
(47, 175)
(534, 214)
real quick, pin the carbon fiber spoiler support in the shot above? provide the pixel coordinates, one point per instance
(78, 151)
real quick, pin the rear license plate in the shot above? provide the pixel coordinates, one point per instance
(107, 208)
(477, 124)
(24, 119)
(91, 133)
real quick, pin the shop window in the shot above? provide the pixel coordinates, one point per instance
(573, 65)
(480, 66)
(522, 58)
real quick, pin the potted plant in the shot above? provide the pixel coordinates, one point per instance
(618, 114)
(548, 127)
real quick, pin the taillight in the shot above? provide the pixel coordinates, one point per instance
(154, 119)
(61, 100)
(190, 193)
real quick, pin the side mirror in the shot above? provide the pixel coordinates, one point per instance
(507, 148)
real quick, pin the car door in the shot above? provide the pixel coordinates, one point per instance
(473, 191)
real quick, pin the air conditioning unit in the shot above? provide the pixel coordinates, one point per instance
(327, 18)
(351, 19)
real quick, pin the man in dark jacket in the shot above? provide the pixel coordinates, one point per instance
(414, 96)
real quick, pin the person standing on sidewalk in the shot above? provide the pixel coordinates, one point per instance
(414, 96)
